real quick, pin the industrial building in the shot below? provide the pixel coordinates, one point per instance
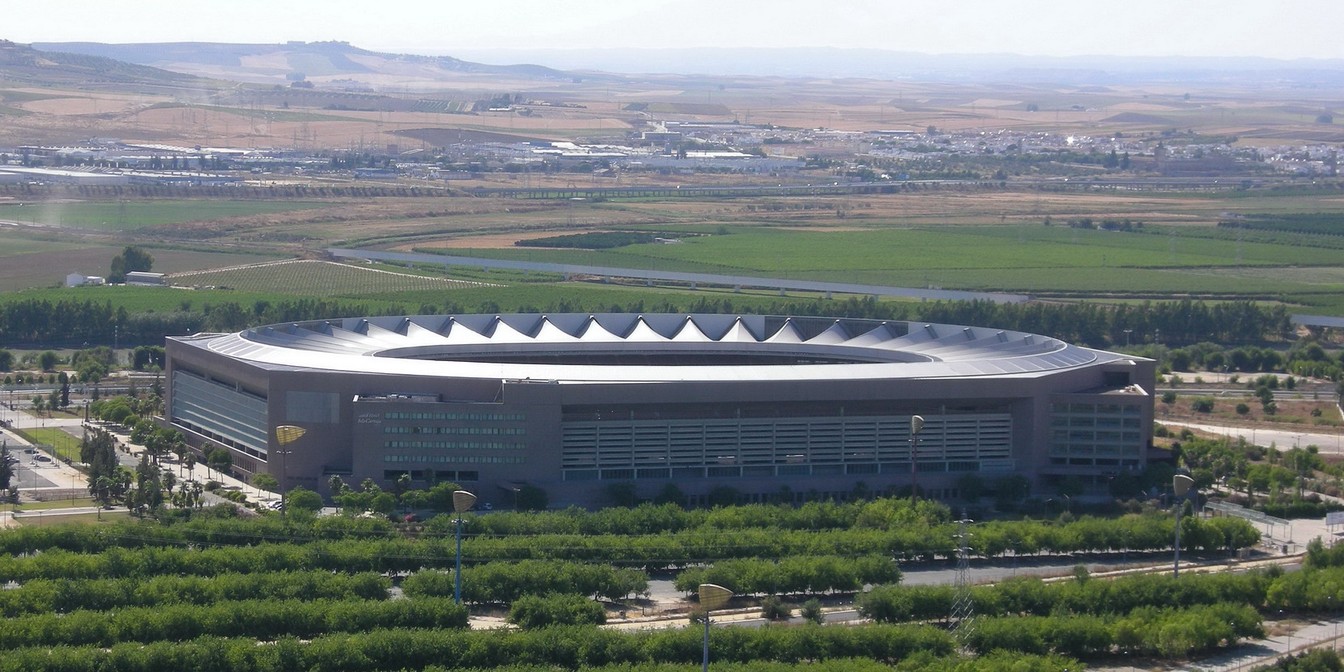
(572, 403)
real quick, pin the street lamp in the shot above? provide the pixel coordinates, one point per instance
(916, 426)
(286, 435)
(462, 501)
(1180, 484)
(711, 597)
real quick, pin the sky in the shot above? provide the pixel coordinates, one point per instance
(1282, 29)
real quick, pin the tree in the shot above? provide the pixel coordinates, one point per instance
(265, 481)
(537, 611)
(531, 498)
(131, 259)
(622, 494)
(336, 485)
(303, 499)
(48, 360)
(219, 459)
(7, 462)
(774, 609)
(148, 493)
(812, 611)
(440, 496)
(146, 356)
(6, 360)
(670, 494)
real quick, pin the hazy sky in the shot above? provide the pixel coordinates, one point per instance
(1271, 28)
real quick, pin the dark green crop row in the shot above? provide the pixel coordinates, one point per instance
(39, 596)
(568, 648)
(1132, 533)
(261, 619)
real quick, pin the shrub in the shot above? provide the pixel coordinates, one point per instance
(812, 611)
(774, 609)
(533, 611)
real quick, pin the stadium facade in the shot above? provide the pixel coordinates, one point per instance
(573, 403)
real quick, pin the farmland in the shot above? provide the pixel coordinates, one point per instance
(890, 240)
(129, 215)
(316, 278)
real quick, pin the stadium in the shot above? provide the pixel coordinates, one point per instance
(769, 406)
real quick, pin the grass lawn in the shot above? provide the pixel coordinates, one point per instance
(77, 502)
(63, 443)
(74, 518)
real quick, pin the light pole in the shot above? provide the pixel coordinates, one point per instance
(711, 597)
(1180, 484)
(916, 426)
(462, 501)
(286, 435)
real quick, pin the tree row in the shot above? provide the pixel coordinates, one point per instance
(261, 619)
(40, 596)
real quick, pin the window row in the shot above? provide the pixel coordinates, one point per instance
(493, 431)
(763, 471)
(454, 445)
(495, 417)
(457, 459)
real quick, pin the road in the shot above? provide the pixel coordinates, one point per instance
(672, 276)
(1326, 442)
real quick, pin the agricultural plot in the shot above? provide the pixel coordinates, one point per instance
(14, 244)
(1036, 259)
(315, 278)
(40, 263)
(130, 215)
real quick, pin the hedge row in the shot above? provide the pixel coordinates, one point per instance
(507, 581)
(566, 647)
(39, 596)
(263, 619)
(999, 661)
(1146, 631)
(1032, 596)
(651, 535)
(807, 574)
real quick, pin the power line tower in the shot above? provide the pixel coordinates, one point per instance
(963, 606)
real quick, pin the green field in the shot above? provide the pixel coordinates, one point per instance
(63, 443)
(1053, 260)
(60, 504)
(105, 518)
(16, 244)
(130, 215)
(317, 278)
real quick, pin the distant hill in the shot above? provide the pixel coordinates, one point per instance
(297, 61)
(23, 64)
(890, 64)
